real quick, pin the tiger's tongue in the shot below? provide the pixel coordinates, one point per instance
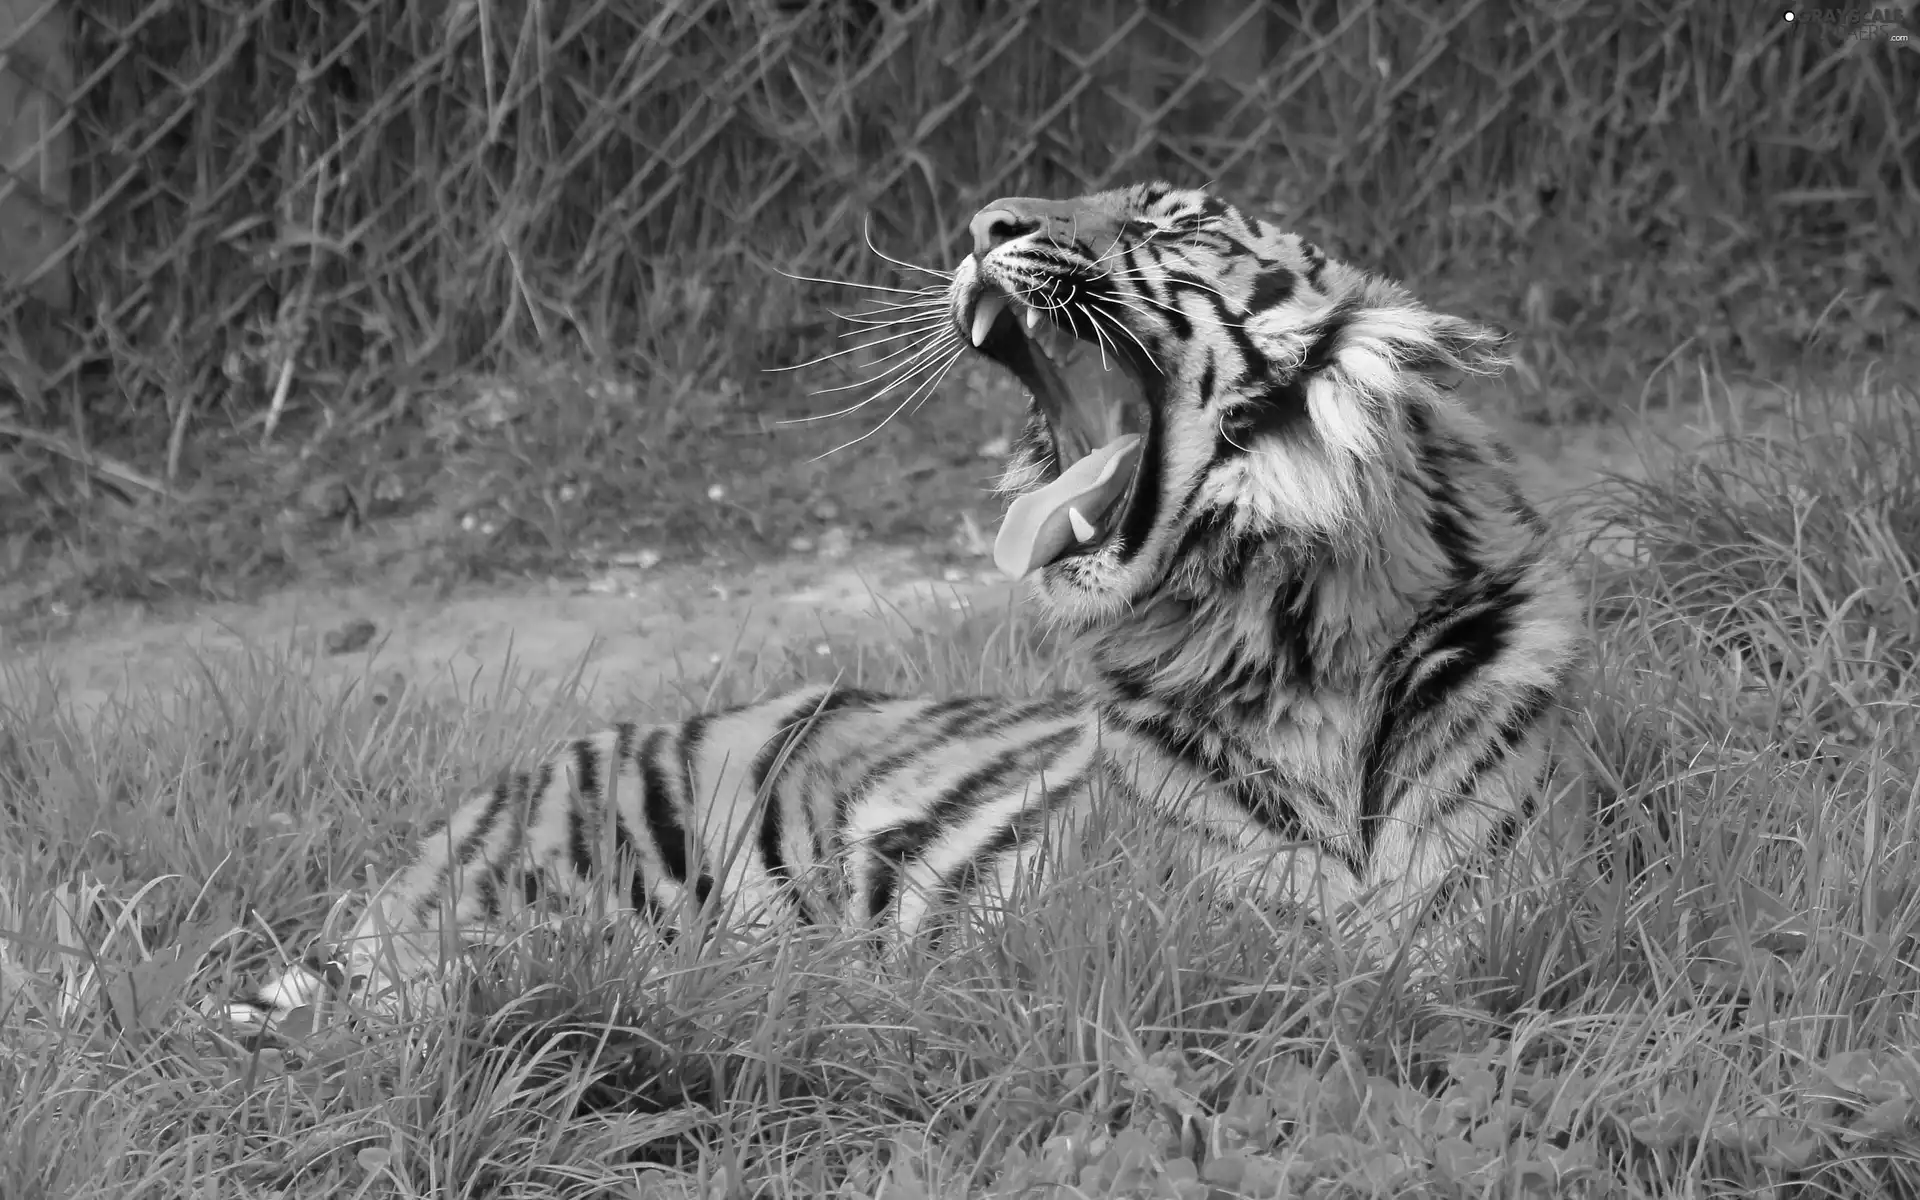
(1038, 530)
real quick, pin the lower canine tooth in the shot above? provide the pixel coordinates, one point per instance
(984, 315)
(1033, 319)
(1082, 528)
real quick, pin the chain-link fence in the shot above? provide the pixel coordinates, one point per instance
(340, 196)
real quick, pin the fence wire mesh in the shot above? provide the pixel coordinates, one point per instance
(206, 201)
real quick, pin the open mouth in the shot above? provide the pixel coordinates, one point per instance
(1090, 391)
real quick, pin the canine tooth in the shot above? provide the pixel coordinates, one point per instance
(1082, 528)
(1033, 319)
(985, 313)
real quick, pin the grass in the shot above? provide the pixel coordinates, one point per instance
(523, 473)
(1728, 1007)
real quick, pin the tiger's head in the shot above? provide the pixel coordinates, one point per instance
(1265, 407)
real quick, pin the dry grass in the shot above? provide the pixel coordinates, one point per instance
(1730, 1010)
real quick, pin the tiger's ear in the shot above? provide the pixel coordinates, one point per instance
(1466, 346)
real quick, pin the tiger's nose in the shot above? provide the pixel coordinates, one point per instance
(999, 223)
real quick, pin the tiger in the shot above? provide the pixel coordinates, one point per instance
(1326, 642)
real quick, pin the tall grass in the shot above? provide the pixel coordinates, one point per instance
(1726, 1004)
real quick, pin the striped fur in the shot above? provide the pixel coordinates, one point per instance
(1322, 628)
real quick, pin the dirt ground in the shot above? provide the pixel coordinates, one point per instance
(644, 627)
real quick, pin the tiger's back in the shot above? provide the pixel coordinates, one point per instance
(824, 804)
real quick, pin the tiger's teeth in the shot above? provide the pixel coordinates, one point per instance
(1033, 319)
(1082, 528)
(985, 314)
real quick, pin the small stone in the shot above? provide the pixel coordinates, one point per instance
(354, 635)
(644, 559)
(822, 649)
(800, 545)
(826, 510)
(568, 493)
(327, 498)
(389, 488)
(836, 543)
(716, 493)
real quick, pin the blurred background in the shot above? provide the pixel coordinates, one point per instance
(450, 288)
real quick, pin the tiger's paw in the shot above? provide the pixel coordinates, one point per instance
(281, 1007)
(309, 997)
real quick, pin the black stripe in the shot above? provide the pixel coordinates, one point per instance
(1271, 288)
(961, 717)
(787, 738)
(1172, 734)
(886, 879)
(1170, 310)
(893, 848)
(1202, 533)
(509, 788)
(1267, 801)
(1131, 681)
(1294, 614)
(693, 734)
(967, 716)
(907, 841)
(973, 788)
(1326, 343)
(1474, 637)
(1232, 323)
(1521, 720)
(1275, 410)
(663, 823)
(1018, 829)
(1481, 634)
(1264, 797)
(586, 773)
(1047, 708)
(1316, 263)
(1139, 274)
(787, 743)
(639, 893)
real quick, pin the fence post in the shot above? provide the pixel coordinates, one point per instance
(36, 149)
